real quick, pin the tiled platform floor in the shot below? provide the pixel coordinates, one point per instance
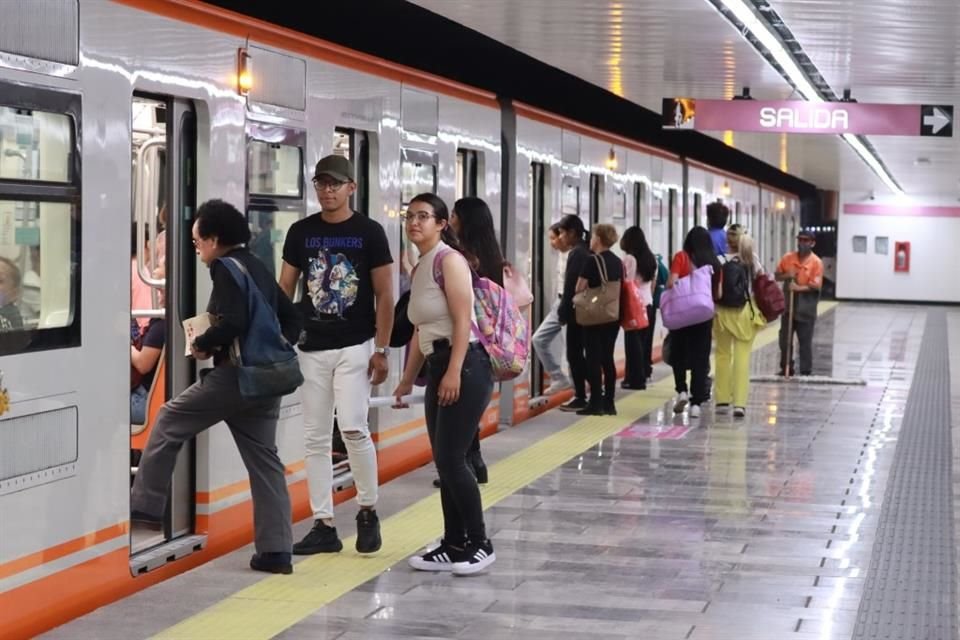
(716, 529)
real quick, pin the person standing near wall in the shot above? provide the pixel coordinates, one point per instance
(801, 271)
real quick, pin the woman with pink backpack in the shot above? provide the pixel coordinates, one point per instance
(690, 345)
(460, 379)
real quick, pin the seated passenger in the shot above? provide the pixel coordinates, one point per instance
(10, 318)
(144, 360)
(140, 298)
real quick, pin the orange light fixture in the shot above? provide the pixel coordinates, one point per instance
(244, 74)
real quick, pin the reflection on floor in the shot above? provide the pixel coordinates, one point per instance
(674, 528)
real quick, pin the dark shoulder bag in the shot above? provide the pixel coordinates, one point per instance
(267, 364)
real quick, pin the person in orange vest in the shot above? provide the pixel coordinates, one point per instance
(801, 271)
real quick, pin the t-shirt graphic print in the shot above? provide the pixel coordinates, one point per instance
(337, 298)
(333, 283)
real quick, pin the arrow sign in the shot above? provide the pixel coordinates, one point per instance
(937, 120)
(794, 116)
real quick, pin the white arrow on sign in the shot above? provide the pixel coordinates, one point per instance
(937, 121)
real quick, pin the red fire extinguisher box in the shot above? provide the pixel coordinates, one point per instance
(901, 257)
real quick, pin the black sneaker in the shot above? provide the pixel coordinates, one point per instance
(321, 539)
(272, 562)
(609, 408)
(478, 557)
(591, 410)
(440, 558)
(368, 531)
(574, 405)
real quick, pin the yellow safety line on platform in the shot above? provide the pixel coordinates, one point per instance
(276, 603)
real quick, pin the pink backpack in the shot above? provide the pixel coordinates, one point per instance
(689, 301)
(497, 323)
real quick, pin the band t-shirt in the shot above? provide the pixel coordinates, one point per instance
(335, 259)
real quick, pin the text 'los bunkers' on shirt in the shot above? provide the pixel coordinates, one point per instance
(337, 299)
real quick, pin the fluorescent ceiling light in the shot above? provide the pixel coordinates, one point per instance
(748, 18)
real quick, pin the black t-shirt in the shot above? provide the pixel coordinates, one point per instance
(591, 271)
(154, 336)
(337, 299)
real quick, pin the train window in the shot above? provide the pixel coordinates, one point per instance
(39, 220)
(35, 145)
(274, 169)
(697, 212)
(468, 174)
(275, 188)
(570, 196)
(354, 145)
(418, 174)
(736, 212)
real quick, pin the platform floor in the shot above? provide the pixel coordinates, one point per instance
(645, 525)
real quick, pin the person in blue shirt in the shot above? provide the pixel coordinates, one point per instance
(717, 215)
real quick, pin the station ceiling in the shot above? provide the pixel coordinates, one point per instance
(884, 51)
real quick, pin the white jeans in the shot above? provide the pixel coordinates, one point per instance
(337, 379)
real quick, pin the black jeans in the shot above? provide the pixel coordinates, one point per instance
(451, 430)
(636, 366)
(691, 351)
(648, 341)
(600, 342)
(804, 331)
(577, 360)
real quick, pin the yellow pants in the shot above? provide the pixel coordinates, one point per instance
(733, 367)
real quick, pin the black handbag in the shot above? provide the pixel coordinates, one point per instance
(267, 365)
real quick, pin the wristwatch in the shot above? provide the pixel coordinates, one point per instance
(384, 351)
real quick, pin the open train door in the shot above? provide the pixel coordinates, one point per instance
(163, 290)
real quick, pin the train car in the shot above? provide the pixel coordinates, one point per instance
(117, 118)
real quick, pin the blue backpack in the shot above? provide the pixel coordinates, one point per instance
(267, 364)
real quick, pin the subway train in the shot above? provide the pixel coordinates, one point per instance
(116, 120)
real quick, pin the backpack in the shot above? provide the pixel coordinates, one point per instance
(663, 274)
(497, 323)
(736, 284)
(267, 365)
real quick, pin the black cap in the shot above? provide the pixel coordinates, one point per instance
(336, 167)
(804, 233)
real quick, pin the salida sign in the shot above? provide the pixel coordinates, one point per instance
(784, 116)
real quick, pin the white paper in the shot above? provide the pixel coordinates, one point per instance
(193, 327)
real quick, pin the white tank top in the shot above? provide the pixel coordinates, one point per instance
(428, 309)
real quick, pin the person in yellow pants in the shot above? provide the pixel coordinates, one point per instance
(734, 329)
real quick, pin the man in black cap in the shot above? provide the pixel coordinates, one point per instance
(347, 306)
(802, 274)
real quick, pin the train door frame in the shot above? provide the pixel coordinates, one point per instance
(639, 200)
(672, 240)
(539, 223)
(597, 184)
(180, 142)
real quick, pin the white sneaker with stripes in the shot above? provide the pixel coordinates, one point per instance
(440, 558)
(479, 557)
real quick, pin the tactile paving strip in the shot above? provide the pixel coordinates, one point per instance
(910, 586)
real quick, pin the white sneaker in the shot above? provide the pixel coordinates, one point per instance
(478, 557)
(561, 384)
(694, 411)
(681, 402)
(440, 558)
(739, 412)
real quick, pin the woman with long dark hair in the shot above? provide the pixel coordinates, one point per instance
(574, 236)
(459, 384)
(472, 223)
(691, 345)
(639, 264)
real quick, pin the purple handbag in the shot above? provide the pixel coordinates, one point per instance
(689, 301)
